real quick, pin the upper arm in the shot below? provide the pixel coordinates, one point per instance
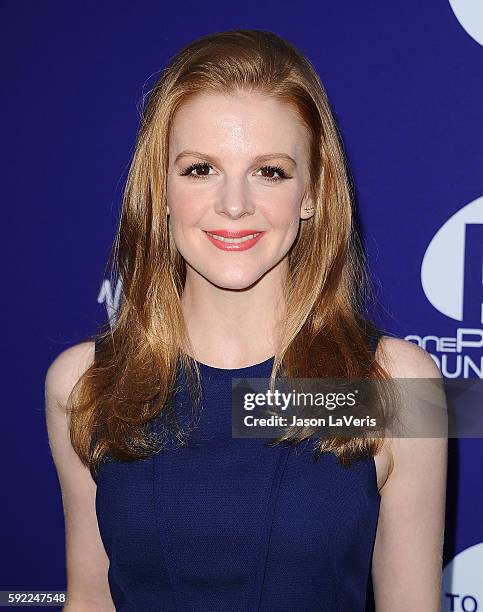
(407, 561)
(87, 562)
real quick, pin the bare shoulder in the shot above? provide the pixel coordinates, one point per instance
(404, 359)
(65, 371)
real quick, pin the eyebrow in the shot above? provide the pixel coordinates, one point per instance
(258, 159)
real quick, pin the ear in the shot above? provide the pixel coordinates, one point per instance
(307, 208)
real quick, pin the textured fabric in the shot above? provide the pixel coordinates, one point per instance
(228, 524)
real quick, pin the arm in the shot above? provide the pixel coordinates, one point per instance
(87, 562)
(407, 561)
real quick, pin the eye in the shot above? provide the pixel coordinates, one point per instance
(202, 170)
(268, 173)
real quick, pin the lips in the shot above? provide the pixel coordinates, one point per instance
(233, 234)
(228, 240)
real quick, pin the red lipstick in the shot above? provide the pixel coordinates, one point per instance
(234, 240)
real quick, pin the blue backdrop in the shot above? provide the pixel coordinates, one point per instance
(404, 80)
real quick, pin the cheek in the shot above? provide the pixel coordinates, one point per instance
(283, 213)
(185, 206)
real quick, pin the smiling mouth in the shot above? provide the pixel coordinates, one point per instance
(229, 240)
(236, 240)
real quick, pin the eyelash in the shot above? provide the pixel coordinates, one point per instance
(282, 174)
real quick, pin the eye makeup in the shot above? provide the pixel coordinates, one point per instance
(205, 168)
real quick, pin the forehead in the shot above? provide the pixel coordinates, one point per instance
(248, 122)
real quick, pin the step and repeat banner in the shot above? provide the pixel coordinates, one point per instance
(405, 80)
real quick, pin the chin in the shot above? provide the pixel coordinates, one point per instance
(235, 279)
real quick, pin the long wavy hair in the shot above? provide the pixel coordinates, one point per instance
(325, 328)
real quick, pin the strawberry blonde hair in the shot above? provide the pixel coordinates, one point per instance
(325, 329)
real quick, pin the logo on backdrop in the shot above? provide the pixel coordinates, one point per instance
(111, 299)
(462, 588)
(469, 13)
(452, 281)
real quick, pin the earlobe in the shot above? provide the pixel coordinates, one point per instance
(307, 209)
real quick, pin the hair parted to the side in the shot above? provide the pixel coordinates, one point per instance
(325, 328)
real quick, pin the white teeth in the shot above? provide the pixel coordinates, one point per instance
(233, 240)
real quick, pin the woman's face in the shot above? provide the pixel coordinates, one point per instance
(237, 163)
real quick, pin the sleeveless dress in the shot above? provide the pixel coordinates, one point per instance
(232, 525)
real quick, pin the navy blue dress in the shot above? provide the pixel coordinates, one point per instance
(229, 524)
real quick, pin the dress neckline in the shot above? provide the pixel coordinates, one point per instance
(261, 366)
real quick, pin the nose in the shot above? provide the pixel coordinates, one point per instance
(234, 198)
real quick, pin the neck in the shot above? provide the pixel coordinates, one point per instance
(230, 328)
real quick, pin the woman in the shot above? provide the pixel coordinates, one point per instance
(238, 257)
